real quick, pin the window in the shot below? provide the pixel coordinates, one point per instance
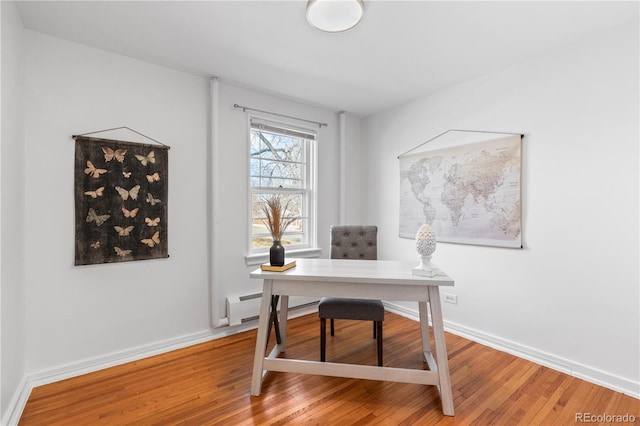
(282, 162)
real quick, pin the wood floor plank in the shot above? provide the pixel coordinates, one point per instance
(209, 384)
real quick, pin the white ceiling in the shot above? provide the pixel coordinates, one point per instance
(400, 51)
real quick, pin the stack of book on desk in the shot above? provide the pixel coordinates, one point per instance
(267, 267)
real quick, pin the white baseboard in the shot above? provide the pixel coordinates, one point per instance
(89, 365)
(590, 374)
(19, 400)
(572, 368)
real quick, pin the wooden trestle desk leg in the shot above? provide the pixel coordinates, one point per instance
(441, 351)
(424, 334)
(261, 339)
(284, 311)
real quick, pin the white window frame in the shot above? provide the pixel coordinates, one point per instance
(309, 249)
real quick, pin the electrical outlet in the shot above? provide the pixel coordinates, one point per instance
(451, 298)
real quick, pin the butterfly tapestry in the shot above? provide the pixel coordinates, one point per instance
(121, 201)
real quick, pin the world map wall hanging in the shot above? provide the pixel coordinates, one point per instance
(468, 189)
(120, 201)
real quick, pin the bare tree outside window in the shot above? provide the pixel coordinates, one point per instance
(279, 165)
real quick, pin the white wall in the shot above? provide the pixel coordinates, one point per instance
(353, 176)
(232, 274)
(80, 313)
(571, 295)
(12, 295)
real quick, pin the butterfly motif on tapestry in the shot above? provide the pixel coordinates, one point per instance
(123, 232)
(153, 241)
(110, 154)
(133, 192)
(99, 219)
(130, 213)
(146, 159)
(95, 194)
(152, 222)
(153, 178)
(152, 200)
(92, 171)
(121, 252)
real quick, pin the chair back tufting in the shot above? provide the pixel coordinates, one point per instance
(354, 242)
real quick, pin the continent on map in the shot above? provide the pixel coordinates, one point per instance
(418, 176)
(480, 177)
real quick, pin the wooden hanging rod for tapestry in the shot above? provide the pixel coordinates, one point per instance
(120, 128)
(458, 130)
(244, 109)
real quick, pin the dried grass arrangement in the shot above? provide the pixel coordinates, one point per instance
(276, 219)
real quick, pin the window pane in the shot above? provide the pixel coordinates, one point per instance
(293, 203)
(267, 173)
(278, 169)
(295, 232)
(255, 145)
(276, 147)
(289, 238)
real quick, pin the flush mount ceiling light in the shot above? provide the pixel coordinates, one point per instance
(334, 16)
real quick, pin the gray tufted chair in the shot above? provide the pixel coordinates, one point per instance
(352, 242)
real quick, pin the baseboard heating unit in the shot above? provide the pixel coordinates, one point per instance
(244, 308)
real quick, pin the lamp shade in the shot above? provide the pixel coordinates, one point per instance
(334, 15)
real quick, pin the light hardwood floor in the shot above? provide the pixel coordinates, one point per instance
(208, 384)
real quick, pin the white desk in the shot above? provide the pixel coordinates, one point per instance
(362, 279)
